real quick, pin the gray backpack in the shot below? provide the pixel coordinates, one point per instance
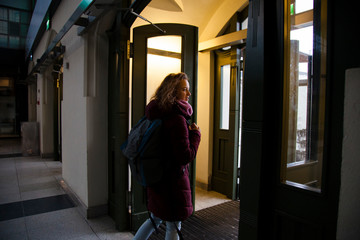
(144, 153)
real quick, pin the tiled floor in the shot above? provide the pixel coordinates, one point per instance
(33, 205)
(205, 199)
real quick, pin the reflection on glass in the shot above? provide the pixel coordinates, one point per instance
(244, 24)
(163, 57)
(304, 99)
(303, 5)
(225, 97)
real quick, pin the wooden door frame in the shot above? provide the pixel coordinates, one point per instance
(119, 109)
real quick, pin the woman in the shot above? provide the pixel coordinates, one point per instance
(170, 200)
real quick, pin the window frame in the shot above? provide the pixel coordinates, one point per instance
(315, 150)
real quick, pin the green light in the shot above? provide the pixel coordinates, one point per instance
(85, 3)
(48, 24)
(292, 9)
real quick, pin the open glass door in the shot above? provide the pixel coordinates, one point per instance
(157, 54)
(306, 193)
(226, 122)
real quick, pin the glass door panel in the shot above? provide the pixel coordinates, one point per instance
(225, 97)
(163, 57)
(304, 98)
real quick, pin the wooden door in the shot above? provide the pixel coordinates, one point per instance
(226, 122)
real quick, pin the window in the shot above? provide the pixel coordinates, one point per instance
(24, 17)
(225, 97)
(3, 41)
(14, 25)
(14, 16)
(244, 24)
(3, 27)
(163, 57)
(14, 29)
(23, 30)
(14, 42)
(3, 14)
(304, 93)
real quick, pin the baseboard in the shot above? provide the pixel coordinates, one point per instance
(9, 155)
(87, 212)
(47, 155)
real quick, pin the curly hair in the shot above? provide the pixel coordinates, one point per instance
(166, 92)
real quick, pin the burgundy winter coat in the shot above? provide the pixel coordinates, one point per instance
(170, 199)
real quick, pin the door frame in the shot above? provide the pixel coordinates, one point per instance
(118, 111)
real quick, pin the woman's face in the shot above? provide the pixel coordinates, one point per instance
(183, 90)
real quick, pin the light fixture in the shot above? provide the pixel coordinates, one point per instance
(48, 22)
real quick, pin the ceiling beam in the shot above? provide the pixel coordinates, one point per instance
(304, 19)
(223, 41)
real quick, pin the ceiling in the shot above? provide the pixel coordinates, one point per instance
(209, 15)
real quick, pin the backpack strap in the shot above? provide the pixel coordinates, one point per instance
(153, 223)
(179, 232)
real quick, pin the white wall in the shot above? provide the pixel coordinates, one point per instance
(97, 115)
(74, 132)
(205, 119)
(85, 115)
(349, 202)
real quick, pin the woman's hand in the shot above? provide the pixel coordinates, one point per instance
(194, 127)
